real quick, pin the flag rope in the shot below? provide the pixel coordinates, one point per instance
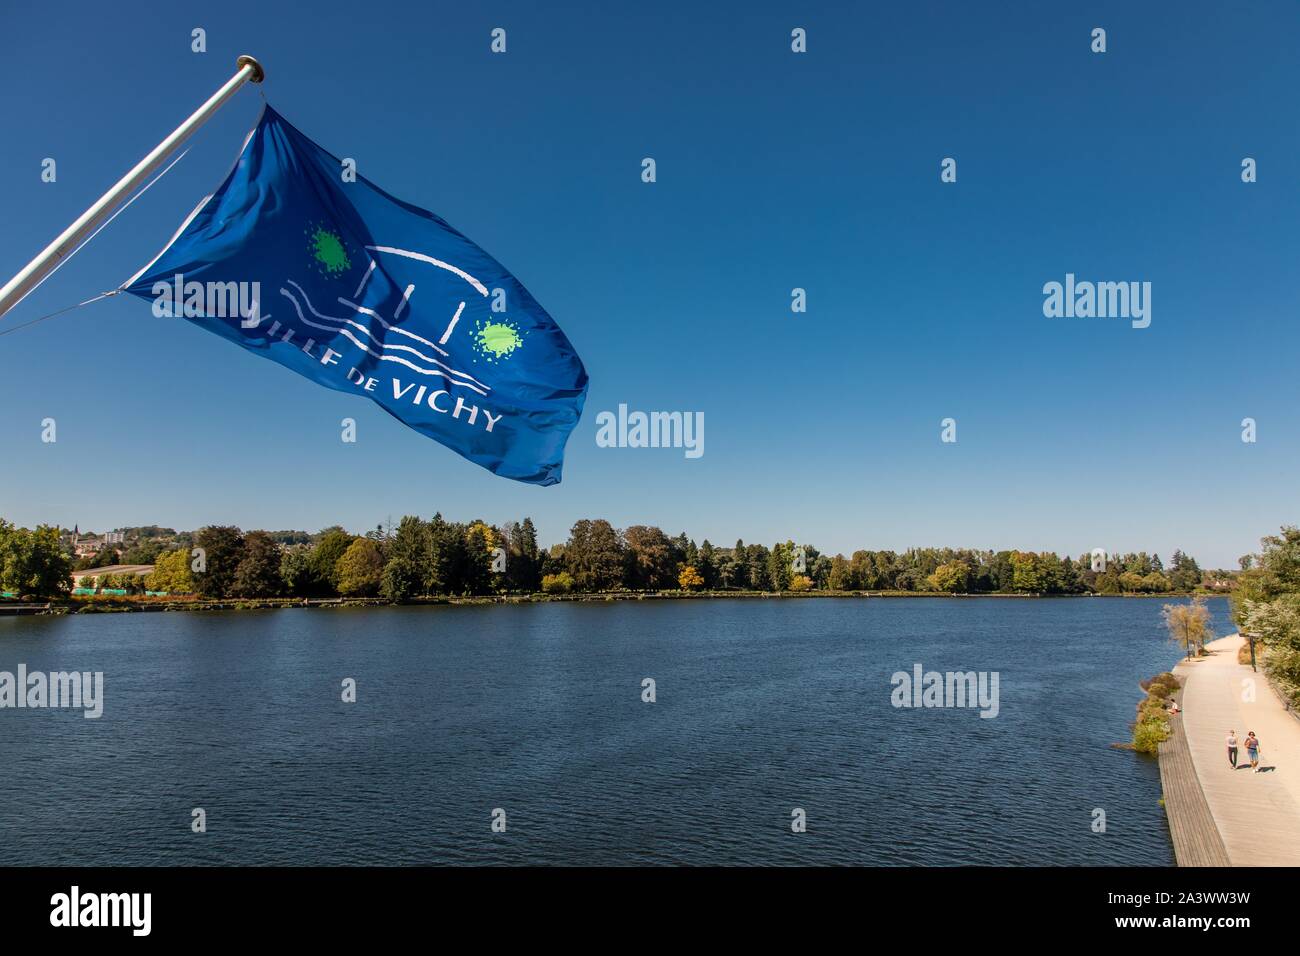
(102, 295)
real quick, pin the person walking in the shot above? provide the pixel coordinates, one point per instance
(1252, 750)
(1232, 749)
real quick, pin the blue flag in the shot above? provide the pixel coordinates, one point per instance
(363, 293)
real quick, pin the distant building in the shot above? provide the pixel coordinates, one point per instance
(84, 545)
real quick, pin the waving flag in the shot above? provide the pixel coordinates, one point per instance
(363, 293)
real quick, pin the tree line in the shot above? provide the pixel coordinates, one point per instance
(430, 557)
(599, 557)
(1266, 607)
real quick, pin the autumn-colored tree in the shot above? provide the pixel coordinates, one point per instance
(561, 583)
(1189, 624)
(690, 580)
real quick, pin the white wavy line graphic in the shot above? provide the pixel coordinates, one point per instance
(387, 325)
(385, 345)
(369, 351)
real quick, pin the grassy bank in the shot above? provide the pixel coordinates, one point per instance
(1152, 724)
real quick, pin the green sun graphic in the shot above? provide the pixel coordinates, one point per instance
(328, 252)
(496, 341)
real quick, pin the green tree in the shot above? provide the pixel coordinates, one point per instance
(143, 552)
(360, 568)
(1108, 581)
(708, 564)
(594, 555)
(1156, 583)
(820, 571)
(738, 567)
(298, 574)
(32, 563)
(863, 572)
(1184, 573)
(408, 572)
(651, 561)
(480, 544)
(523, 561)
(223, 549)
(324, 558)
(258, 574)
(840, 577)
(171, 573)
(952, 577)
(105, 557)
(1026, 573)
(1280, 559)
(1131, 582)
(779, 569)
(453, 568)
(1276, 624)
(1068, 577)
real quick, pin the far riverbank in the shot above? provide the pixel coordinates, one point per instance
(129, 604)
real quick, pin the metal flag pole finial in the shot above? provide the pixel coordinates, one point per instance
(259, 74)
(35, 271)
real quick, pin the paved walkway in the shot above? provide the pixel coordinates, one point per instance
(1258, 814)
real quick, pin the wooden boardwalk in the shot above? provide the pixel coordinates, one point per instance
(15, 608)
(1191, 825)
(1252, 819)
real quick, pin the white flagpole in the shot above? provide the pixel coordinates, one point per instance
(36, 270)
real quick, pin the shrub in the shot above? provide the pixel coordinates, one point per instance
(1152, 724)
(1165, 679)
(561, 583)
(1148, 734)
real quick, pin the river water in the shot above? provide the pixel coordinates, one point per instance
(534, 715)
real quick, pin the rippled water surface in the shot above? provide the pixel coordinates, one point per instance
(764, 705)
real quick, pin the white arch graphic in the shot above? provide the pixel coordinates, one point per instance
(479, 286)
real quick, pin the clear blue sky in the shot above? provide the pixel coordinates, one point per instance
(775, 170)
